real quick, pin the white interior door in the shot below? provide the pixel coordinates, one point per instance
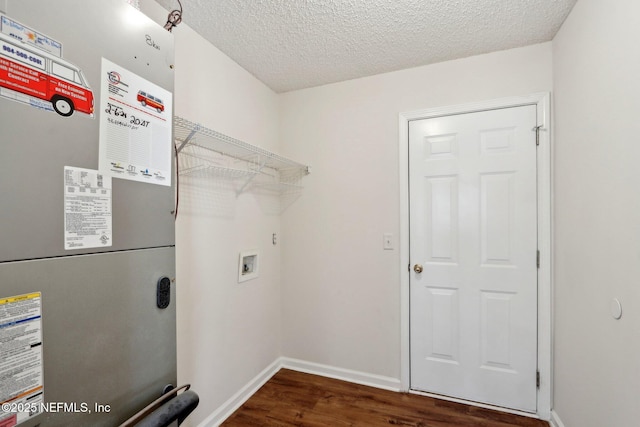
(473, 230)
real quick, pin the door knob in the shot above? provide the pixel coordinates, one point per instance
(417, 268)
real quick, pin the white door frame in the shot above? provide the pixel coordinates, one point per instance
(542, 103)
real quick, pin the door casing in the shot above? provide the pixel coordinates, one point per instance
(544, 163)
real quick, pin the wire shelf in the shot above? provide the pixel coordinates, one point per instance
(211, 170)
(188, 133)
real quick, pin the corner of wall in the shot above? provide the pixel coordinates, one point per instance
(234, 402)
(555, 420)
(238, 399)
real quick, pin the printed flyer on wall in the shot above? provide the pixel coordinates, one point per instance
(135, 127)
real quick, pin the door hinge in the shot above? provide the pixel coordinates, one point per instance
(537, 131)
(538, 258)
(537, 379)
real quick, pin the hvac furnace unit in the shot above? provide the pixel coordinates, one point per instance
(86, 212)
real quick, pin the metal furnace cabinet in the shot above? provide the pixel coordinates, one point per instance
(106, 347)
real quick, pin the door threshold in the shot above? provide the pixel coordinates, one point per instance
(476, 404)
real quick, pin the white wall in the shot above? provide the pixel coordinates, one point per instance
(340, 290)
(227, 332)
(597, 214)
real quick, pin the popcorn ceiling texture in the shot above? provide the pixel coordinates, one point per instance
(295, 44)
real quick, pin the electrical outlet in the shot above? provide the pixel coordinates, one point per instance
(387, 241)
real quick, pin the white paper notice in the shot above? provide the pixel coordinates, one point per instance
(135, 127)
(87, 209)
(21, 385)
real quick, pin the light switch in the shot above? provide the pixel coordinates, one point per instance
(387, 241)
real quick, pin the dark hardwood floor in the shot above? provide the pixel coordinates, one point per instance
(293, 398)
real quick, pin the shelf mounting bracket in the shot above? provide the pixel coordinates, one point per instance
(251, 178)
(195, 130)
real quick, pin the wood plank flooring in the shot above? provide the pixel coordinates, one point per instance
(293, 398)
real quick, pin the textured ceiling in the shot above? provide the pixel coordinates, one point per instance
(294, 44)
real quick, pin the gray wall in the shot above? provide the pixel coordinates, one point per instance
(597, 214)
(228, 332)
(341, 290)
(595, 91)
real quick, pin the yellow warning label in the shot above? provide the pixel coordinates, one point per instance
(20, 298)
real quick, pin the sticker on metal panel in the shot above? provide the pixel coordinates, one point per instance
(21, 377)
(87, 209)
(33, 72)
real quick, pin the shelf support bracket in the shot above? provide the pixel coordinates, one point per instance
(251, 178)
(195, 130)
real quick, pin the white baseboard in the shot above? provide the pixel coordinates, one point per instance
(229, 407)
(363, 378)
(387, 383)
(349, 375)
(555, 420)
